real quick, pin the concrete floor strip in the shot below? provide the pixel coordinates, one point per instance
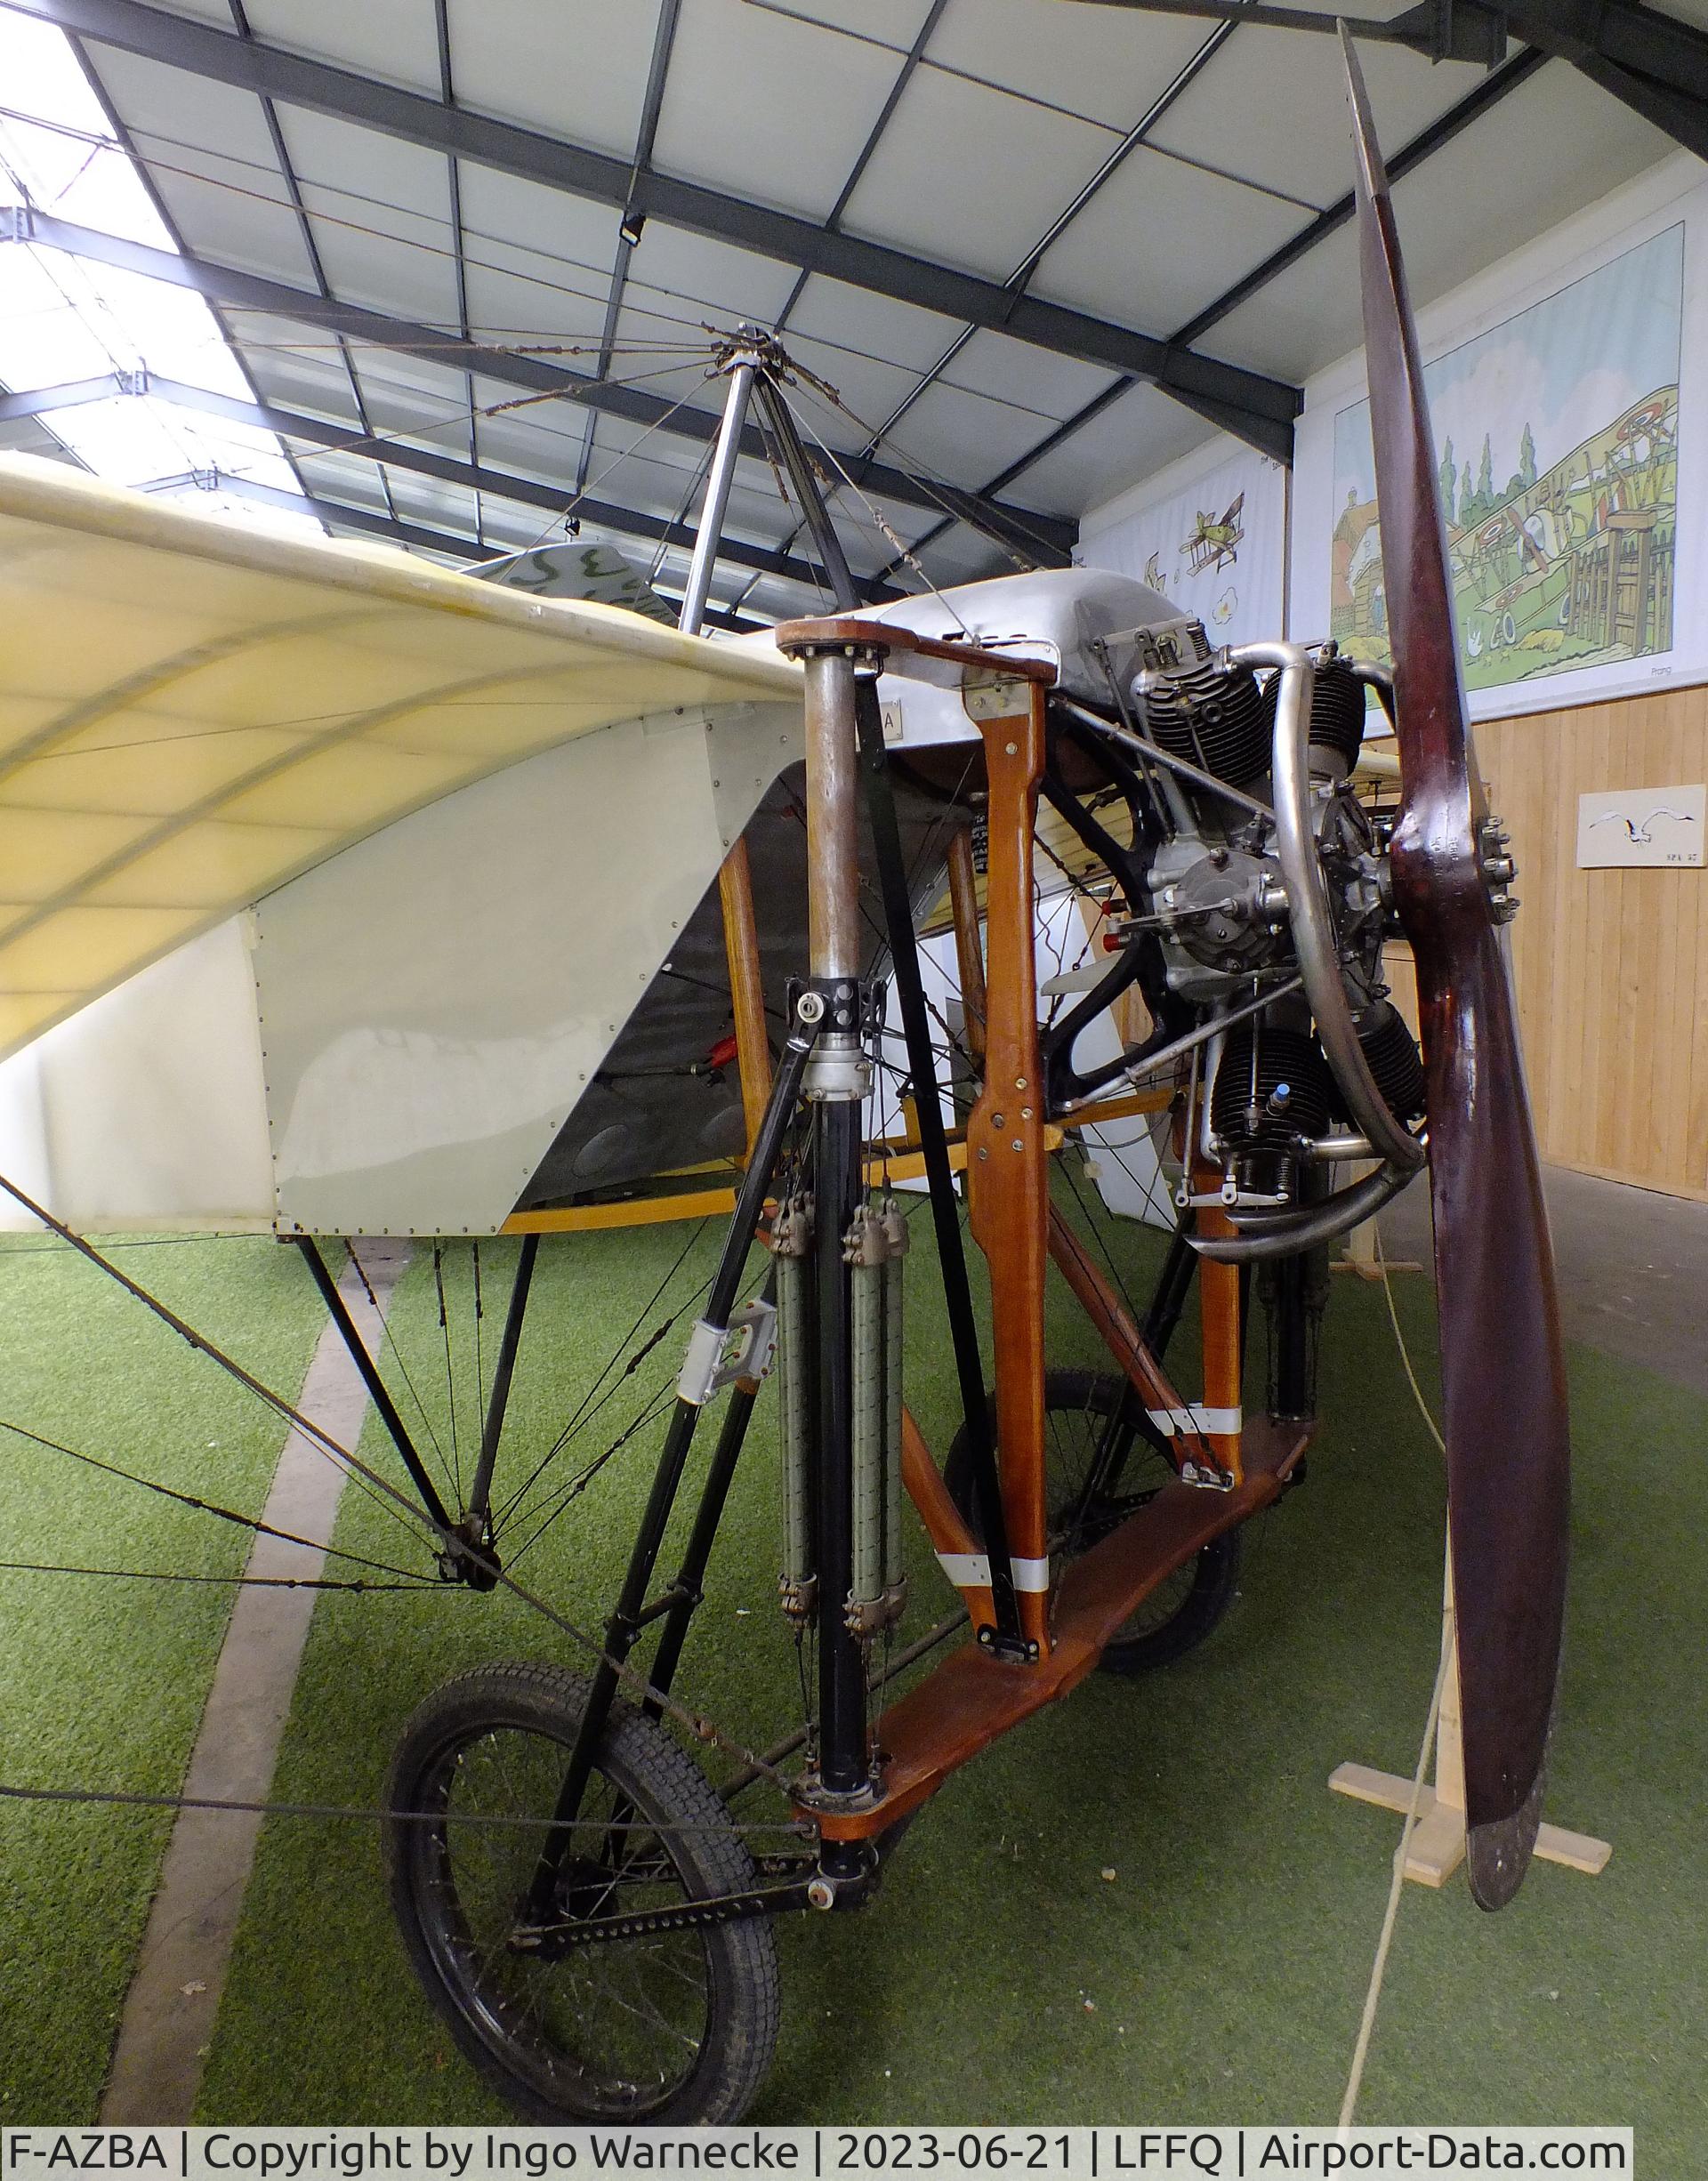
(174, 1994)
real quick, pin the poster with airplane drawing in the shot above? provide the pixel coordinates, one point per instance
(1557, 443)
(1210, 538)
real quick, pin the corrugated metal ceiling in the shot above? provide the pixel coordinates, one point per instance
(1134, 167)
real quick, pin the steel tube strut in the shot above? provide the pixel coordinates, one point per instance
(837, 1183)
(804, 484)
(626, 1621)
(504, 1370)
(696, 1556)
(835, 1084)
(378, 1392)
(717, 499)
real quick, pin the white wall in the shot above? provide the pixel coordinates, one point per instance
(1145, 533)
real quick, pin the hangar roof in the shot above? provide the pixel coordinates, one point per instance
(460, 269)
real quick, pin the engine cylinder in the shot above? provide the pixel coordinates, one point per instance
(1337, 709)
(1395, 1061)
(1260, 1121)
(1214, 718)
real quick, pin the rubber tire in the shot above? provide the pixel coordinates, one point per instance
(1216, 1582)
(640, 1760)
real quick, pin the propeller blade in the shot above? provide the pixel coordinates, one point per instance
(1501, 1368)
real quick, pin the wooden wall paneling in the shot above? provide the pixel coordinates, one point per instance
(1610, 967)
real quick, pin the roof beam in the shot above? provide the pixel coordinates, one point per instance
(480, 477)
(664, 40)
(420, 461)
(1240, 395)
(1494, 87)
(1487, 94)
(1442, 30)
(1650, 61)
(390, 528)
(77, 393)
(235, 290)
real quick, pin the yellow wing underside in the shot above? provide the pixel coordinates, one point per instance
(192, 713)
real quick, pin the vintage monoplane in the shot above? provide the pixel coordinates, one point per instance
(331, 740)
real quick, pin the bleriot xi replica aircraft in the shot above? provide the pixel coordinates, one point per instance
(649, 836)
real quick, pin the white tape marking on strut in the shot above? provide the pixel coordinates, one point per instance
(1227, 1423)
(971, 1571)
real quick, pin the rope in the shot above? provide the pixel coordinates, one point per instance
(1433, 1428)
(1379, 1968)
(1391, 1916)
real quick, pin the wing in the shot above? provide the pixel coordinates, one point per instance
(192, 713)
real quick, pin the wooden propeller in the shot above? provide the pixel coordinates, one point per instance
(1502, 1374)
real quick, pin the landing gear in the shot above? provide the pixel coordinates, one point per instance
(674, 2027)
(1099, 1467)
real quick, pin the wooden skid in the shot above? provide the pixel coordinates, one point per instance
(973, 1698)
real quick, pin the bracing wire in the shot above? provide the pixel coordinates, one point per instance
(592, 1401)
(205, 1506)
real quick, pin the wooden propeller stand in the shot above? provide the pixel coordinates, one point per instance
(1437, 1842)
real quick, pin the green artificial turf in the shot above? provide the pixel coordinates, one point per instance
(999, 1977)
(104, 1681)
(1225, 1965)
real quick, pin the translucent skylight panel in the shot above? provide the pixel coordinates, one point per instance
(284, 522)
(44, 339)
(64, 318)
(128, 440)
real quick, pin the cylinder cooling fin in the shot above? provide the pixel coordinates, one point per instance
(1337, 709)
(1288, 1096)
(1394, 1060)
(1212, 718)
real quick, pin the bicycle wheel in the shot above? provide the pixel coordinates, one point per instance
(1099, 1468)
(673, 2028)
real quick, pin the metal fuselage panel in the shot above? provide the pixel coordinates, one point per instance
(435, 1001)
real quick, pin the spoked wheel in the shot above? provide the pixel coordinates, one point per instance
(675, 2028)
(1099, 1468)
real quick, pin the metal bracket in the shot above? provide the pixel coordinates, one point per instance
(17, 224)
(1455, 30)
(719, 1355)
(994, 696)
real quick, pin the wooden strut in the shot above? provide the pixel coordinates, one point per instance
(969, 950)
(978, 1692)
(1007, 1172)
(747, 986)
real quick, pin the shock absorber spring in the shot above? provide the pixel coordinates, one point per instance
(877, 1243)
(897, 1235)
(791, 1241)
(865, 1250)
